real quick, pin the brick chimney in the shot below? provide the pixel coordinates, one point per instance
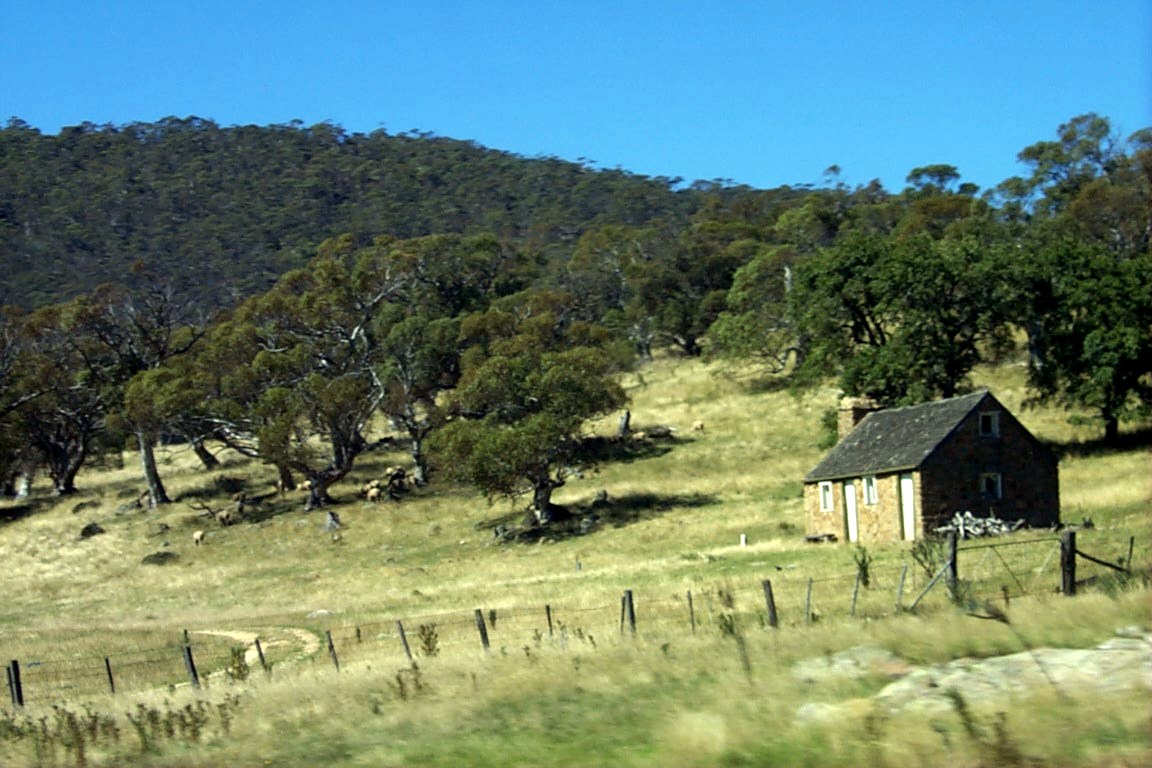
(851, 412)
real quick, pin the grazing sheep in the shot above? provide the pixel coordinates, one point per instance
(225, 517)
(197, 538)
(397, 480)
(374, 494)
(639, 435)
(698, 426)
(305, 485)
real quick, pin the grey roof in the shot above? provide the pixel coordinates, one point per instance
(895, 439)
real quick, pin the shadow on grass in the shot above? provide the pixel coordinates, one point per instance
(602, 450)
(221, 486)
(768, 384)
(10, 513)
(1128, 441)
(585, 519)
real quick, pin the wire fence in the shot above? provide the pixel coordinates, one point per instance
(1010, 569)
(981, 570)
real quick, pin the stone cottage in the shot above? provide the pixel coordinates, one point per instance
(898, 473)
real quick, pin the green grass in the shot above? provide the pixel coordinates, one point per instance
(587, 694)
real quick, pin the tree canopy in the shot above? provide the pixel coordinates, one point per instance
(288, 290)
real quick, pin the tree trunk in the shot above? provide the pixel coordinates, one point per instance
(315, 499)
(542, 506)
(284, 480)
(209, 461)
(1036, 354)
(317, 495)
(419, 463)
(318, 484)
(156, 493)
(63, 468)
(23, 488)
(625, 426)
(1111, 430)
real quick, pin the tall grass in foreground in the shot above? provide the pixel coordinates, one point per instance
(660, 699)
(586, 694)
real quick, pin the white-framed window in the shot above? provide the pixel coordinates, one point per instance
(991, 485)
(826, 502)
(990, 424)
(871, 496)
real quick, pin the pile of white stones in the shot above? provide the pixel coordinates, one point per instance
(968, 526)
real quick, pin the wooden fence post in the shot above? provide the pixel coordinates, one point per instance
(773, 619)
(931, 583)
(332, 649)
(808, 604)
(15, 684)
(190, 665)
(691, 612)
(900, 586)
(260, 654)
(1068, 563)
(630, 609)
(482, 629)
(108, 671)
(548, 615)
(855, 594)
(953, 569)
(404, 639)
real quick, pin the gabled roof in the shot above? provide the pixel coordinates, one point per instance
(896, 439)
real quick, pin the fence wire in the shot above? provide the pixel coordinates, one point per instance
(986, 570)
(1010, 569)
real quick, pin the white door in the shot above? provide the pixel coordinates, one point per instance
(907, 508)
(850, 512)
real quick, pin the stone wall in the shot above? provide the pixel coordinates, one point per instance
(1029, 484)
(878, 523)
(954, 479)
(817, 523)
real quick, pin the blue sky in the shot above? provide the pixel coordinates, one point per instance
(762, 93)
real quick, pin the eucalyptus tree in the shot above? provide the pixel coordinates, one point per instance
(683, 287)
(1081, 281)
(139, 329)
(759, 321)
(1096, 349)
(76, 387)
(292, 377)
(944, 305)
(419, 360)
(16, 389)
(531, 380)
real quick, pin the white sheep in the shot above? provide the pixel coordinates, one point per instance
(197, 538)
(698, 426)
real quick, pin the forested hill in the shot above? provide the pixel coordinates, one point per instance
(232, 208)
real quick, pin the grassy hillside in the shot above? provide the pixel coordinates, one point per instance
(584, 693)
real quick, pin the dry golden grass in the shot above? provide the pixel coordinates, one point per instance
(587, 694)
